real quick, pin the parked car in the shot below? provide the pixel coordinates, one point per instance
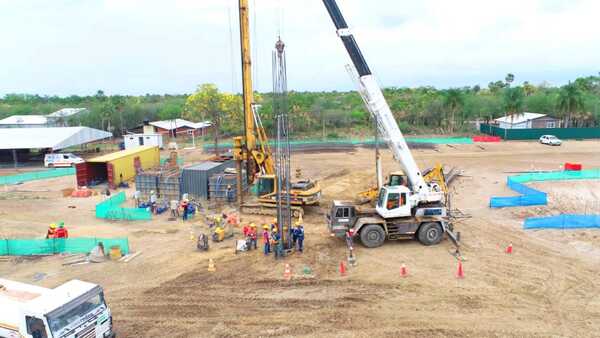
(550, 140)
(61, 160)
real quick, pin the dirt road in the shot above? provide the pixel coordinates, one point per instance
(547, 287)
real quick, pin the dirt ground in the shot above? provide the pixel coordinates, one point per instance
(547, 288)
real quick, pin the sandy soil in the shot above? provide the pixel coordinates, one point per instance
(547, 287)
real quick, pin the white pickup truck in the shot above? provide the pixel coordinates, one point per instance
(75, 309)
(61, 160)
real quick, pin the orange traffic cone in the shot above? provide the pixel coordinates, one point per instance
(459, 272)
(403, 271)
(342, 269)
(509, 249)
(287, 273)
(211, 266)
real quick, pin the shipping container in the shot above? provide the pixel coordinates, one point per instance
(118, 167)
(218, 183)
(194, 179)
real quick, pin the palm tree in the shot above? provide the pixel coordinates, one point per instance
(570, 101)
(453, 102)
(509, 79)
(513, 104)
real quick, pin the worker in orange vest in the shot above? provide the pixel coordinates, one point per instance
(51, 231)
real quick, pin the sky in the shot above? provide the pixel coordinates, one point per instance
(134, 47)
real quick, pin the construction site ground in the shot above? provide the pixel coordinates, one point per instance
(547, 287)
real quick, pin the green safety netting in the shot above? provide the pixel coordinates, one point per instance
(558, 176)
(36, 175)
(28, 247)
(111, 209)
(357, 142)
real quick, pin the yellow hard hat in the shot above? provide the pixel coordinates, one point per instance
(52, 226)
(274, 229)
(297, 223)
(252, 225)
(265, 226)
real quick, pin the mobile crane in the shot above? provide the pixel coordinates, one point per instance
(407, 206)
(253, 148)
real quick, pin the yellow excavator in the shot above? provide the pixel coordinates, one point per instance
(433, 175)
(253, 148)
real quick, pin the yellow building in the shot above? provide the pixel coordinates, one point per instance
(117, 167)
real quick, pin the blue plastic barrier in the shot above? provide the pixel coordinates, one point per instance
(565, 221)
(529, 196)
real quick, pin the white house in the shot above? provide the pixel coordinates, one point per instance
(527, 121)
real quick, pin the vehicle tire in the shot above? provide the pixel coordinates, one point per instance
(430, 233)
(372, 235)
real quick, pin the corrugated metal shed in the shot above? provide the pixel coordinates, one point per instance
(194, 179)
(66, 112)
(53, 138)
(24, 119)
(178, 123)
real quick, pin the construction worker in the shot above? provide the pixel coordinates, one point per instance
(274, 224)
(51, 231)
(184, 207)
(246, 230)
(253, 236)
(136, 198)
(275, 239)
(61, 232)
(152, 201)
(350, 238)
(174, 206)
(299, 234)
(266, 239)
(229, 194)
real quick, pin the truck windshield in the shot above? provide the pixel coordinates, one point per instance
(77, 311)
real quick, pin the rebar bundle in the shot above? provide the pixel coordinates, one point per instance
(282, 145)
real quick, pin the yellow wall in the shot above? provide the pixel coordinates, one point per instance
(149, 158)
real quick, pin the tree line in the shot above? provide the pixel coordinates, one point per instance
(333, 114)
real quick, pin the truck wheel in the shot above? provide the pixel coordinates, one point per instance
(372, 235)
(430, 233)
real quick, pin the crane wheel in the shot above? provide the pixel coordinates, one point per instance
(372, 235)
(430, 233)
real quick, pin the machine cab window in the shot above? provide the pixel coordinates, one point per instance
(342, 213)
(398, 180)
(36, 327)
(395, 200)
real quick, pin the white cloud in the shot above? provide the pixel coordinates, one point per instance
(138, 46)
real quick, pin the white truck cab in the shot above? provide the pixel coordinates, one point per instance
(75, 309)
(61, 160)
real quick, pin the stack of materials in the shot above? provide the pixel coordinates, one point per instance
(195, 179)
(82, 192)
(165, 183)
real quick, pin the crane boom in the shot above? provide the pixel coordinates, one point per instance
(379, 108)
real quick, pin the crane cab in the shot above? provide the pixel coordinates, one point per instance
(394, 201)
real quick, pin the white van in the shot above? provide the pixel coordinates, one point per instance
(74, 309)
(61, 160)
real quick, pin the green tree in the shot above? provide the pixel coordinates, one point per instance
(513, 104)
(570, 102)
(204, 103)
(453, 102)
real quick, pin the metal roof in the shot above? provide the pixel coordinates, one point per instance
(120, 154)
(203, 166)
(53, 138)
(24, 119)
(519, 118)
(178, 123)
(65, 112)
